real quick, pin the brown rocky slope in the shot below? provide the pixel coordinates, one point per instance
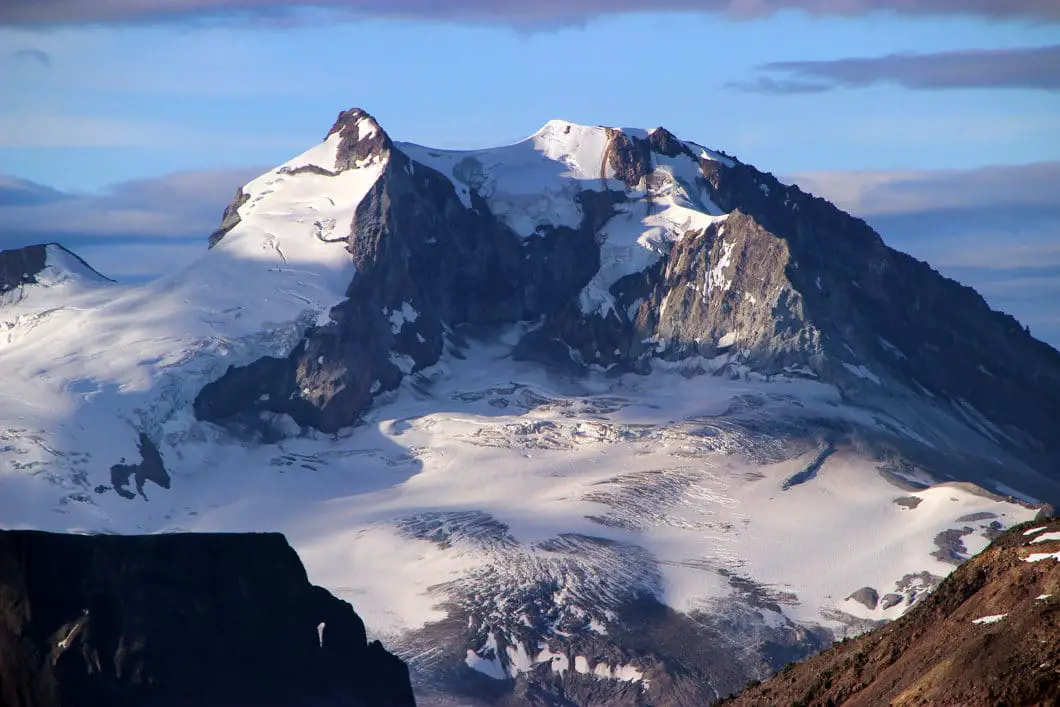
(989, 635)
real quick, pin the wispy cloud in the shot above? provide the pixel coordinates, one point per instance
(1028, 68)
(33, 56)
(519, 12)
(22, 192)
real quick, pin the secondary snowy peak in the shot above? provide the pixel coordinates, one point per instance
(47, 265)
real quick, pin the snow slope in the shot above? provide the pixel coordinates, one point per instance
(121, 359)
(620, 460)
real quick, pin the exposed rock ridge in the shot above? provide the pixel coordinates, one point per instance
(182, 619)
(988, 635)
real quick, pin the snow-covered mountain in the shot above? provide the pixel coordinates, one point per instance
(601, 417)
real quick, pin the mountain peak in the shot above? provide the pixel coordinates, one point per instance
(353, 119)
(361, 139)
(629, 247)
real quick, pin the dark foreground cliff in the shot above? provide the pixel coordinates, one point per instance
(989, 635)
(183, 619)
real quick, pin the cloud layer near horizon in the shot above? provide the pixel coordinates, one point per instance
(516, 12)
(1030, 67)
(134, 230)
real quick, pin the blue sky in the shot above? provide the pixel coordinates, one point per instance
(122, 102)
(123, 110)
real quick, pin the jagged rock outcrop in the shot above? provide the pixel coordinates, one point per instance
(988, 635)
(231, 218)
(24, 266)
(737, 272)
(181, 619)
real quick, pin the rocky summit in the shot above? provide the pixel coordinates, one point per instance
(602, 417)
(179, 619)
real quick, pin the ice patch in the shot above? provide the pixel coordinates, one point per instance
(405, 363)
(519, 660)
(891, 347)
(490, 667)
(992, 619)
(399, 317)
(559, 662)
(861, 372)
(625, 673)
(532, 183)
(1039, 556)
(716, 278)
(1046, 537)
(635, 238)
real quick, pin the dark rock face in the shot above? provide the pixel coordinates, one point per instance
(629, 157)
(941, 652)
(231, 217)
(150, 468)
(786, 283)
(18, 267)
(176, 620)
